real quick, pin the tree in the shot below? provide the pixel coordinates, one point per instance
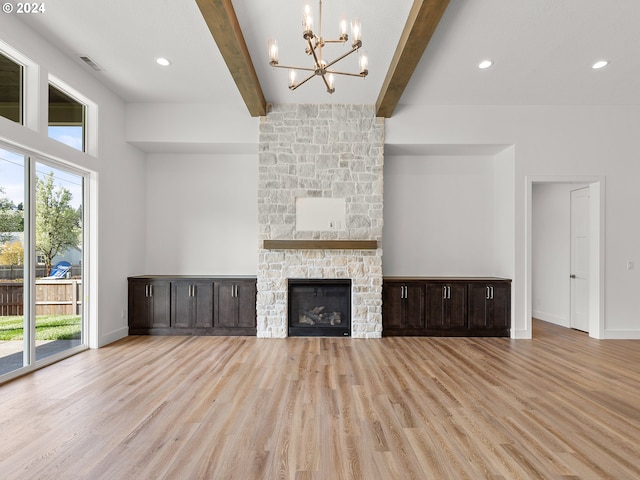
(12, 254)
(57, 222)
(11, 218)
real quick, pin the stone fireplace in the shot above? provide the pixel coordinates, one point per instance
(321, 151)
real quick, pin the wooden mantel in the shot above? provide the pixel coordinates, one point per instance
(320, 244)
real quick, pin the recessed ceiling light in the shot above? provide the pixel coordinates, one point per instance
(165, 62)
(485, 64)
(600, 64)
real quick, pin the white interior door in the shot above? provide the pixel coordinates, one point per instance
(580, 259)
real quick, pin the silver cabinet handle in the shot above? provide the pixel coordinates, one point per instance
(444, 292)
(151, 290)
(449, 291)
(489, 292)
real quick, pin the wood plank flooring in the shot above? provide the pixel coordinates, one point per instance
(561, 406)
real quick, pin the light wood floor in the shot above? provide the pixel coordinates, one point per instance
(560, 406)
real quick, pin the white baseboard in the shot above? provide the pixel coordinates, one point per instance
(551, 318)
(113, 336)
(622, 334)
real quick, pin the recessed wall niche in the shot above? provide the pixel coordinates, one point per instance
(318, 214)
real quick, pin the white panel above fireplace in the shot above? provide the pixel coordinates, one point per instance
(318, 214)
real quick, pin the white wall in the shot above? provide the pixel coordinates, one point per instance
(439, 215)
(117, 179)
(202, 214)
(571, 141)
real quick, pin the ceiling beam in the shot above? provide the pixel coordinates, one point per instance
(421, 24)
(223, 24)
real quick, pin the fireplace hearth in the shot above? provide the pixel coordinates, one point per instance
(319, 307)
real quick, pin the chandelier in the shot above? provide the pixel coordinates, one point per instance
(315, 44)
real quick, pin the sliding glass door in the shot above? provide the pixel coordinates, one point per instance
(59, 260)
(41, 261)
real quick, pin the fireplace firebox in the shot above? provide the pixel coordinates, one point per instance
(319, 307)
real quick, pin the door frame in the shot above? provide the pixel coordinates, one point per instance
(596, 246)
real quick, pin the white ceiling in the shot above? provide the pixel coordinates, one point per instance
(542, 49)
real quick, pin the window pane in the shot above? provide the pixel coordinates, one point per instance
(66, 119)
(10, 89)
(59, 248)
(11, 261)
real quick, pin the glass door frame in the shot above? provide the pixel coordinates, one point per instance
(29, 265)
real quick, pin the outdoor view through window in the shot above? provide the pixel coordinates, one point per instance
(56, 289)
(66, 119)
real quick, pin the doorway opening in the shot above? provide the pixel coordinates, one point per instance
(551, 288)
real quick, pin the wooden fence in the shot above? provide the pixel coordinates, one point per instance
(53, 297)
(16, 272)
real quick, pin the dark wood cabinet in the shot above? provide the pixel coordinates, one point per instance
(430, 306)
(403, 305)
(236, 304)
(446, 305)
(149, 303)
(192, 304)
(490, 307)
(183, 305)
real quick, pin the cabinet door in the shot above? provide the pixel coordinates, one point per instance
(392, 299)
(227, 313)
(457, 315)
(489, 305)
(192, 304)
(414, 310)
(501, 306)
(160, 299)
(140, 307)
(246, 298)
(182, 305)
(446, 305)
(437, 311)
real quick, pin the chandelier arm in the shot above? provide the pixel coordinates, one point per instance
(303, 82)
(324, 79)
(347, 73)
(341, 57)
(294, 68)
(334, 41)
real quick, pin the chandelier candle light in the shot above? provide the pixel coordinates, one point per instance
(315, 44)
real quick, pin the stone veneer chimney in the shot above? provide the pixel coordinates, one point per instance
(333, 151)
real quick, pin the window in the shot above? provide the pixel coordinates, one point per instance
(66, 119)
(10, 89)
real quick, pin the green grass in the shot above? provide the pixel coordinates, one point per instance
(48, 327)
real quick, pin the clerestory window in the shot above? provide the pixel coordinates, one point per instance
(66, 119)
(10, 89)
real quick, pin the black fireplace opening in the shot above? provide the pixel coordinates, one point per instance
(319, 307)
